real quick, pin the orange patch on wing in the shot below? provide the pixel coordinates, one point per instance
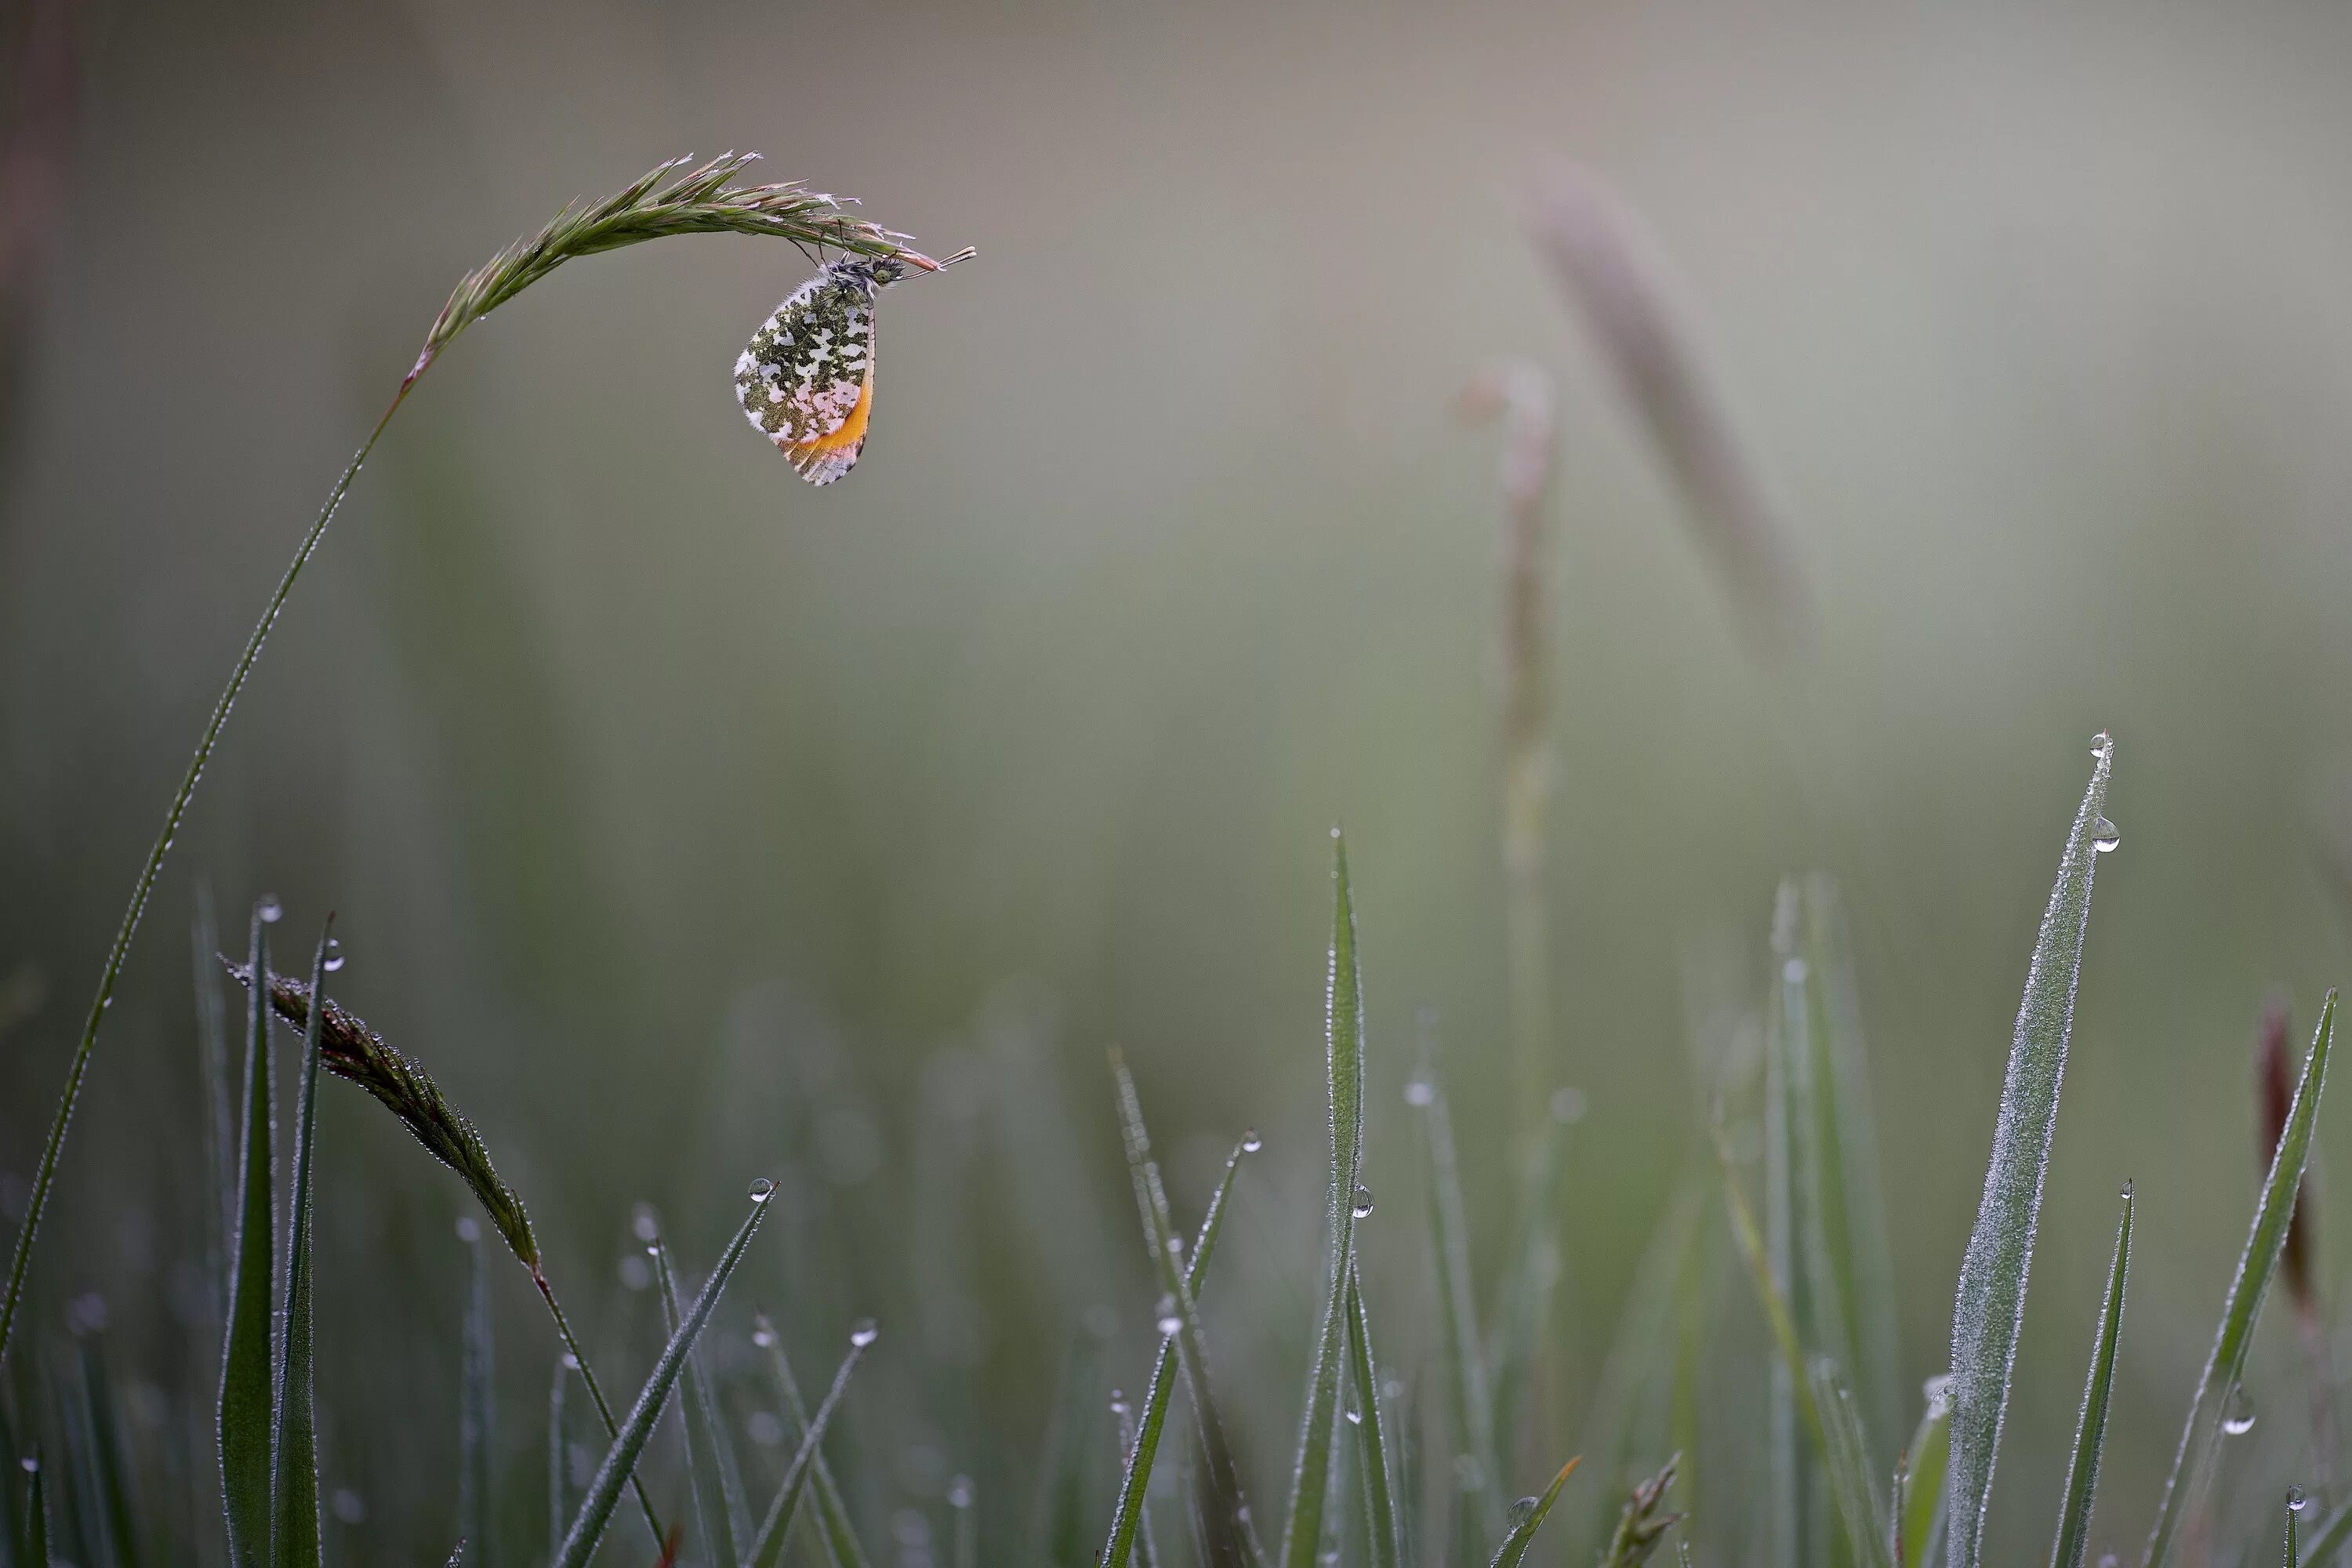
(852, 431)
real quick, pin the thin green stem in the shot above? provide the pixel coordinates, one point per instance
(44, 1176)
(596, 1396)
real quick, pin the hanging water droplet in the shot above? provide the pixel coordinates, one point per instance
(334, 959)
(763, 1337)
(762, 1190)
(1421, 1091)
(1937, 1391)
(1363, 1201)
(271, 911)
(2104, 835)
(1252, 1143)
(1170, 1322)
(2237, 1412)
(31, 1465)
(1119, 1405)
(2295, 1500)
(2102, 746)
(2127, 1192)
(1522, 1511)
(570, 1361)
(1175, 1246)
(1355, 1418)
(864, 1333)
(959, 1492)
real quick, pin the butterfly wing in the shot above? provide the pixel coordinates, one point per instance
(806, 378)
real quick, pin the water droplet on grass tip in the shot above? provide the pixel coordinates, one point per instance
(1363, 1201)
(1252, 1143)
(959, 1492)
(2104, 835)
(1421, 1091)
(864, 1333)
(763, 1338)
(2237, 1413)
(2102, 746)
(1795, 972)
(334, 958)
(1523, 1511)
(2295, 1500)
(271, 911)
(32, 1467)
(762, 1190)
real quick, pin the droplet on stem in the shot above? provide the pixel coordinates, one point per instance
(271, 911)
(1252, 1143)
(864, 1333)
(334, 958)
(1363, 1201)
(2104, 835)
(762, 1190)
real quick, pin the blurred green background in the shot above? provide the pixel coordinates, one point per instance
(691, 824)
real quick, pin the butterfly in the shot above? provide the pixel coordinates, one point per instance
(806, 378)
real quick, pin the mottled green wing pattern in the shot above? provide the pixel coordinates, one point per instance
(805, 380)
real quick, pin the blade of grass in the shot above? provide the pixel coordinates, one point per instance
(1789, 1473)
(1232, 1538)
(621, 1458)
(717, 1501)
(2235, 1334)
(1302, 1531)
(557, 1509)
(477, 1408)
(1925, 1464)
(36, 1548)
(1127, 1517)
(103, 1416)
(1384, 1545)
(1527, 1521)
(246, 1396)
(1989, 1304)
(294, 1428)
(2293, 1508)
(1147, 1551)
(2330, 1540)
(1642, 1523)
(1863, 1261)
(770, 1539)
(218, 1078)
(832, 1515)
(1523, 1303)
(1852, 1482)
(967, 1522)
(1472, 1412)
(699, 200)
(2090, 1430)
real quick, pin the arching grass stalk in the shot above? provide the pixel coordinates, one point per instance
(660, 205)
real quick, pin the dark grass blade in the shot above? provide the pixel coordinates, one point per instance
(1854, 1486)
(477, 1407)
(717, 1502)
(1526, 1521)
(1231, 1538)
(1135, 1482)
(839, 1536)
(1344, 1073)
(34, 1550)
(2293, 1508)
(1862, 1265)
(1989, 1304)
(769, 1542)
(2091, 1431)
(110, 1474)
(1471, 1409)
(294, 1429)
(1383, 1545)
(1146, 1550)
(246, 1396)
(1642, 1522)
(620, 1459)
(1523, 1303)
(1925, 1464)
(218, 1080)
(2234, 1337)
(558, 1508)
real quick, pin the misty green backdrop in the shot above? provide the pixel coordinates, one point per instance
(693, 825)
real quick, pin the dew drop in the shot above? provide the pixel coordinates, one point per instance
(1175, 1246)
(763, 1337)
(32, 1467)
(1363, 1201)
(1522, 1511)
(1421, 1091)
(1793, 972)
(468, 1230)
(2102, 746)
(570, 1361)
(864, 1333)
(762, 1190)
(1937, 1391)
(271, 911)
(1119, 1405)
(1165, 1313)
(2104, 835)
(959, 1492)
(1355, 1418)
(334, 959)
(2295, 1500)
(1252, 1143)
(2109, 1559)
(2237, 1413)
